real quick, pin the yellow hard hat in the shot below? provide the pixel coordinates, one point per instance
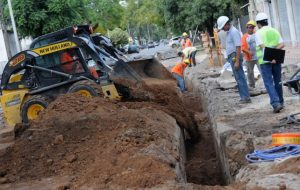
(185, 34)
(251, 22)
(187, 61)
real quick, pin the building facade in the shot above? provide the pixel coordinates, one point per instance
(284, 16)
(11, 47)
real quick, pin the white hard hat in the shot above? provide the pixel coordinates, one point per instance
(222, 20)
(261, 16)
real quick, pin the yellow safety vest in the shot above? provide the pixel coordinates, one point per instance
(270, 38)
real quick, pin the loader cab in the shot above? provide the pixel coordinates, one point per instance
(69, 61)
(79, 31)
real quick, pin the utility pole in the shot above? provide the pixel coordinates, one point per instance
(14, 25)
(4, 29)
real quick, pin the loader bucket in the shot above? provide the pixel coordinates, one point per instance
(133, 78)
(139, 72)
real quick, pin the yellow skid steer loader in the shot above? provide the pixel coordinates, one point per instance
(68, 61)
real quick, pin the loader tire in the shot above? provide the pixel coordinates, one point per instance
(86, 88)
(32, 107)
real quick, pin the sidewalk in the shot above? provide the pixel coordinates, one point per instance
(241, 128)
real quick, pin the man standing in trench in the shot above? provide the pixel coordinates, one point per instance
(233, 53)
(178, 73)
(267, 36)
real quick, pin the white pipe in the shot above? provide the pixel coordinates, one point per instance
(14, 26)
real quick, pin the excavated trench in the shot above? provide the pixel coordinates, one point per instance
(107, 144)
(202, 164)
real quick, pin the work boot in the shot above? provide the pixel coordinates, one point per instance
(245, 101)
(277, 109)
(251, 88)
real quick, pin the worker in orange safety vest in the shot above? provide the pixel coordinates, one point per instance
(186, 41)
(70, 62)
(67, 62)
(178, 73)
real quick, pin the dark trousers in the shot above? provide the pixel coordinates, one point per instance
(192, 57)
(271, 74)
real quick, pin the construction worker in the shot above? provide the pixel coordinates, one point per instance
(178, 73)
(267, 36)
(233, 53)
(189, 53)
(186, 41)
(249, 50)
(69, 62)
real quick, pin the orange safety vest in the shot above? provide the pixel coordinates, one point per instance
(67, 67)
(179, 68)
(186, 43)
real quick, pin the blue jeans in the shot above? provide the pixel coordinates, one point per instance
(180, 81)
(271, 74)
(239, 76)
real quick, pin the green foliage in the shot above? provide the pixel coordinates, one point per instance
(143, 18)
(105, 14)
(119, 37)
(37, 17)
(185, 15)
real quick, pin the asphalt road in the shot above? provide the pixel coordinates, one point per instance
(150, 51)
(165, 52)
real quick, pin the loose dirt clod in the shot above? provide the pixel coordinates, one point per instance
(3, 180)
(49, 162)
(71, 158)
(59, 139)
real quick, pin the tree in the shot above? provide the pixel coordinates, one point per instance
(34, 18)
(105, 14)
(119, 37)
(143, 17)
(186, 15)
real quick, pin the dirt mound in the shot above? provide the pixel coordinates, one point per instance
(103, 143)
(164, 95)
(94, 140)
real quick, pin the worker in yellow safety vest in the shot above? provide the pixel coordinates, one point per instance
(267, 36)
(189, 53)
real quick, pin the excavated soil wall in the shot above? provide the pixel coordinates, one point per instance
(162, 139)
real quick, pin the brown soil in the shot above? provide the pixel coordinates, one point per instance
(202, 165)
(92, 139)
(101, 143)
(164, 95)
(291, 165)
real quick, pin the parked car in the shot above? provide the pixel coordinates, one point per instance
(143, 46)
(156, 43)
(122, 49)
(131, 48)
(175, 42)
(151, 45)
(164, 41)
